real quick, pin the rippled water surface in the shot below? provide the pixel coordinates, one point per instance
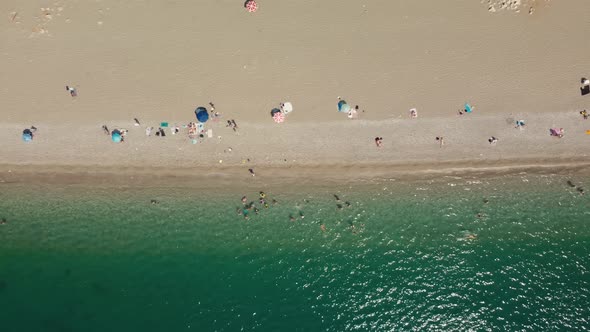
(502, 254)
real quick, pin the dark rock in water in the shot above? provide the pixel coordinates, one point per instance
(3, 285)
(88, 316)
(98, 288)
(54, 324)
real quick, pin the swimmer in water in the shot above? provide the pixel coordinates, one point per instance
(301, 214)
(256, 210)
(570, 183)
(154, 201)
(580, 190)
(323, 227)
(266, 205)
(485, 201)
(274, 202)
(339, 206)
(3, 221)
(262, 201)
(244, 199)
(262, 194)
(347, 204)
(337, 198)
(291, 218)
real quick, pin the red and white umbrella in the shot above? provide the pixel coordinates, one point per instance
(251, 6)
(278, 117)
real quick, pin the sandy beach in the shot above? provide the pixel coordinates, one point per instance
(158, 62)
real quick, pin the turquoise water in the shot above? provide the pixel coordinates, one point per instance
(418, 258)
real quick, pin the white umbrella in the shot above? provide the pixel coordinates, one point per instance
(287, 107)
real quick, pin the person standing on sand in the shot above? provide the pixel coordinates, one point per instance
(72, 91)
(379, 141)
(441, 140)
(251, 171)
(106, 129)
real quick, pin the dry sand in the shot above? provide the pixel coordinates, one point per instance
(158, 61)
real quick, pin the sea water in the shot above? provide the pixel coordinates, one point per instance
(507, 253)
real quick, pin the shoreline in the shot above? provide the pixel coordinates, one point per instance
(337, 151)
(319, 175)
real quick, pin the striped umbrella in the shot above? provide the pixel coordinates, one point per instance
(278, 117)
(251, 6)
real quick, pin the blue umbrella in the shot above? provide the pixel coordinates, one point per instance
(468, 108)
(116, 136)
(274, 111)
(202, 114)
(27, 135)
(343, 106)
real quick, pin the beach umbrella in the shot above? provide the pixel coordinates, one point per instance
(251, 6)
(116, 136)
(343, 106)
(287, 107)
(27, 135)
(202, 114)
(468, 108)
(279, 117)
(274, 111)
